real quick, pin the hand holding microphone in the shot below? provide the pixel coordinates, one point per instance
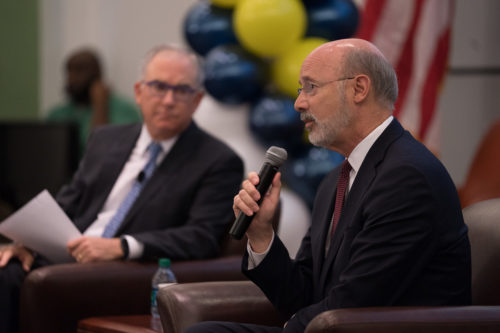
(275, 157)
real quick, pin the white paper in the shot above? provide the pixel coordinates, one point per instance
(42, 226)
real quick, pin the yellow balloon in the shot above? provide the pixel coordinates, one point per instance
(225, 3)
(286, 69)
(268, 28)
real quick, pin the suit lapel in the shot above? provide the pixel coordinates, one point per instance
(119, 152)
(364, 178)
(165, 172)
(323, 211)
(120, 147)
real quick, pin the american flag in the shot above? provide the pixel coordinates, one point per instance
(415, 37)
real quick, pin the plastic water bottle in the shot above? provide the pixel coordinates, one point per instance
(163, 276)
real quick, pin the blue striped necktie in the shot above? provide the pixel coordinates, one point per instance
(115, 222)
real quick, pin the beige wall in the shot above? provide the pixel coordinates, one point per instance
(471, 95)
(124, 29)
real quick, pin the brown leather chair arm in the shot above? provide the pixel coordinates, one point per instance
(408, 320)
(54, 298)
(183, 305)
(218, 269)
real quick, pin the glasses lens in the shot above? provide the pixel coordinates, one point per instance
(157, 88)
(308, 87)
(180, 92)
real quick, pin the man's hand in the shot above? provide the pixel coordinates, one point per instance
(260, 231)
(16, 251)
(91, 249)
(99, 98)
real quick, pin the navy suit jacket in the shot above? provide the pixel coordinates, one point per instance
(401, 240)
(184, 208)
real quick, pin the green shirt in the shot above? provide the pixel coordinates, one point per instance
(121, 111)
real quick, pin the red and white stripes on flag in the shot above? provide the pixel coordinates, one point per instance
(414, 35)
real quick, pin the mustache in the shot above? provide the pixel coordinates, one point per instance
(307, 117)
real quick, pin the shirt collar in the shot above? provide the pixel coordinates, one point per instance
(145, 139)
(359, 153)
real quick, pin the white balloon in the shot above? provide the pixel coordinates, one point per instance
(230, 124)
(294, 221)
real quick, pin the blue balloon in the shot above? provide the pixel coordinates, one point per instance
(303, 175)
(274, 122)
(207, 26)
(233, 75)
(331, 19)
(309, 2)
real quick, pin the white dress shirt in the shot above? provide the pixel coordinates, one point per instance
(134, 165)
(355, 159)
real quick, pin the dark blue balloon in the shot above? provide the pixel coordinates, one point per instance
(303, 175)
(309, 2)
(207, 26)
(274, 121)
(233, 75)
(331, 19)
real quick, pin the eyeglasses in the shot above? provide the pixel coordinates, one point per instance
(181, 92)
(309, 87)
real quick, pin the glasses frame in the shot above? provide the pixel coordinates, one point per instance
(190, 91)
(324, 84)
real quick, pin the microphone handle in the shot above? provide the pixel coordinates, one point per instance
(243, 221)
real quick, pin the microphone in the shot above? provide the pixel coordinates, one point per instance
(141, 176)
(275, 156)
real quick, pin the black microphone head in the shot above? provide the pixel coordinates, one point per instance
(276, 156)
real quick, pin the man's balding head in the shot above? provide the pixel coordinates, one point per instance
(350, 57)
(348, 89)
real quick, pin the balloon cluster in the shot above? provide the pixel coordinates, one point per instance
(253, 52)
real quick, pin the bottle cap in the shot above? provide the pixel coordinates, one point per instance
(164, 262)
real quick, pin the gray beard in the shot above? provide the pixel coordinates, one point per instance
(325, 134)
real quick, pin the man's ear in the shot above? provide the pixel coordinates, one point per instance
(362, 86)
(197, 99)
(138, 92)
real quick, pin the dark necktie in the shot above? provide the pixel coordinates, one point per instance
(115, 222)
(341, 188)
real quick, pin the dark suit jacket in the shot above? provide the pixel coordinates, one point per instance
(183, 209)
(401, 240)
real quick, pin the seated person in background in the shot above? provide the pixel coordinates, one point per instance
(142, 191)
(90, 102)
(387, 228)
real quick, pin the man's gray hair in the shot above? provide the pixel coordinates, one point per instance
(381, 73)
(193, 57)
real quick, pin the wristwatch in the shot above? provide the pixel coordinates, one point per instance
(124, 245)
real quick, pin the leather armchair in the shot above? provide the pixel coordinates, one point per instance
(183, 305)
(463, 319)
(204, 301)
(55, 298)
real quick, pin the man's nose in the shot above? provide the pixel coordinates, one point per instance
(300, 103)
(168, 98)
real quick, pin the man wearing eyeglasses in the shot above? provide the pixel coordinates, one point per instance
(387, 227)
(159, 189)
